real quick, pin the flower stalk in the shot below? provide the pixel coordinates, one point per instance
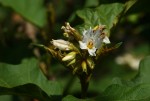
(84, 80)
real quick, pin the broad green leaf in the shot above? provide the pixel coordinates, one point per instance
(27, 79)
(106, 14)
(144, 71)
(32, 10)
(136, 89)
(122, 92)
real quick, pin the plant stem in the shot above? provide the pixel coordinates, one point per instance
(84, 80)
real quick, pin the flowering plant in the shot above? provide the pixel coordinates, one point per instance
(28, 50)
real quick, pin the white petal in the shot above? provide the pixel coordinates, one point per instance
(84, 32)
(86, 35)
(106, 40)
(97, 34)
(85, 38)
(98, 43)
(92, 51)
(82, 45)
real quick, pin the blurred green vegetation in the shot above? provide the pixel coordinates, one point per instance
(40, 21)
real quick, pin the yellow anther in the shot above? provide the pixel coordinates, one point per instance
(90, 44)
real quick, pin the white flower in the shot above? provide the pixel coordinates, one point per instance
(92, 40)
(62, 44)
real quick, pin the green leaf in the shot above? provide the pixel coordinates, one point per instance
(32, 10)
(144, 71)
(106, 14)
(27, 79)
(136, 89)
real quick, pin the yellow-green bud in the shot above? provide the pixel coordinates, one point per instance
(84, 66)
(72, 62)
(69, 56)
(66, 35)
(75, 70)
(90, 63)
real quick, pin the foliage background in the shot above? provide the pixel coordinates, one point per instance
(38, 21)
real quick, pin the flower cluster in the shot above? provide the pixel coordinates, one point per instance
(80, 51)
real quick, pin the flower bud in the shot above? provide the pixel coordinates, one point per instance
(72, 62)
(84, 66)
(70, 30)
(75, 70)
(66, 35)
(69, 56)
(62, 44)
(95, 28)
(106, 40)
(90, 63)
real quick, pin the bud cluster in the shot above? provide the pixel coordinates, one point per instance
(80, 51)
